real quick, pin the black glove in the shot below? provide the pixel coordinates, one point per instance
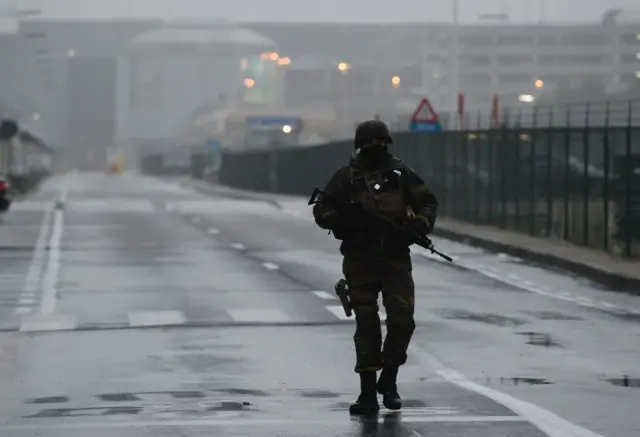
(330, 219)
(419, 225)
(350, 221)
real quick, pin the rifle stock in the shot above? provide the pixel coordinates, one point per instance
(420, 240)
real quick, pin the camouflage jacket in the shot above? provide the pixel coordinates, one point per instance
(393, 190)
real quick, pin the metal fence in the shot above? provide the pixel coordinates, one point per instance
(606, 113)
(576, 184)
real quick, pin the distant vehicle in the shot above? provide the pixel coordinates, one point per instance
(5, 195)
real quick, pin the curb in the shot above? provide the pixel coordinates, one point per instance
(612, 280)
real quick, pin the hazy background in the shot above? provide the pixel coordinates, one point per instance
(331, 10)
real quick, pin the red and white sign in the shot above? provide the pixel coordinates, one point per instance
(424, 113)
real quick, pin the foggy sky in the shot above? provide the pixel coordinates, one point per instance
(329, 10)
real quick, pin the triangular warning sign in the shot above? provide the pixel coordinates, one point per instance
(425, 113)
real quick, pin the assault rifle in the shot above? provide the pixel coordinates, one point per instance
(378, 220)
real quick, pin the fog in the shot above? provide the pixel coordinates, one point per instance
(96, 76)
(332, 10)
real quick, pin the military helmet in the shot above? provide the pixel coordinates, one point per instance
(372, 130)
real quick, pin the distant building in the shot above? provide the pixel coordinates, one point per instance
(511, 60)
(67, 74)
(173, 73)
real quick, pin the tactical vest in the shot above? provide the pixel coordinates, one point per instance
(381, 192)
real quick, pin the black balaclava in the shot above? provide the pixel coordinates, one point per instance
(371, 143)
(373, 155)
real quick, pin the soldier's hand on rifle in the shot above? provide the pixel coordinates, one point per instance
(349, 220)
(419, 225)
(331, 219)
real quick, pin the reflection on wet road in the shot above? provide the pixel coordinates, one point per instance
(149, 309)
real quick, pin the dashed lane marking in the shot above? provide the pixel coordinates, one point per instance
(154, 318)
(39, 323)
(270, 266)
(214, 231)
(338, 311)
(23, 310)
(237, 246)
(267, 315)
(324, 295)
(26, 300)
(517, 282)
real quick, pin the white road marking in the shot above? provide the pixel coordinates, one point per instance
(227, 422)
(33, 275)
(23, 310)
(99, 206)
(270, 266)
(324, 295)
(155, 318)
(39, 323)
(266, 315)
(50, 280)
(214, 231)
(237, 246)
(515, 281)
(27, 300)
(338, 311)
(52, 269)
(546, 421)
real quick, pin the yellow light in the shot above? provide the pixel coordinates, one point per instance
(249, 83)
(395, 80)
(343, 66)
(265, 56)
(284, 61)
(539, 83)
(274, 56)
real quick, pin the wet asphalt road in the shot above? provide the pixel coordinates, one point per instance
(144, 308)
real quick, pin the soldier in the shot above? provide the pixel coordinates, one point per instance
(376, 259)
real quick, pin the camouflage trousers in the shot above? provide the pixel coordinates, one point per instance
(367, 277)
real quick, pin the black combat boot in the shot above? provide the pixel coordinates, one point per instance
(388, 388)
(367, 402)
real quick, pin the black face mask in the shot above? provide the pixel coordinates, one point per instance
(373, 156)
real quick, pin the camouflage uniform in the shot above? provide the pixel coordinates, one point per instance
(378, 260)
